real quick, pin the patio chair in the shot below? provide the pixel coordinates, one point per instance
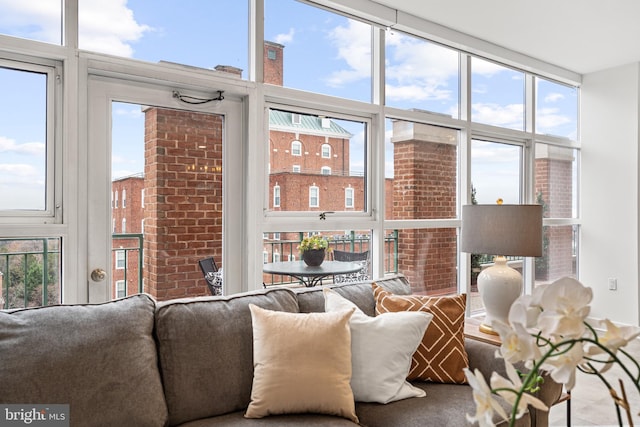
(212, 275)
(357, 257)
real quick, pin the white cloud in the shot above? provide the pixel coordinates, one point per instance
(134, 113)
(510, 116)
(418, 70)
(105, 26)
(37, 19)
(18, 170)
(486, 68)
(553, 97)
(285, 38)
(8, 145)
(549, 118)
(354, 47)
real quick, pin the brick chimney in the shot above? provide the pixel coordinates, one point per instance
(273, 63)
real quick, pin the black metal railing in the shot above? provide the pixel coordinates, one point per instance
(25, 281)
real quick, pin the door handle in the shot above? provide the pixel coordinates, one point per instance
(98, 275)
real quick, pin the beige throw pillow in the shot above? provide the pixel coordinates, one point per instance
(381, 350)
(302, 363)
(441, 356)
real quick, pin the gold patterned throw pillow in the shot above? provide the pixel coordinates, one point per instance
(441, 356)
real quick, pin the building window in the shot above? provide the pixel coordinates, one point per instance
(124, 198)
(276, 236)
(113, 225)
(326, 151)
(120, 260)
(296, 118)
(291, 257)
(271, 54)
(142, 226)
(348, 198)
(296, 168)
(115, 202)
(276, 196)
(325, 170)
(124, 225)
(296, 148)
(276, 256)
(112, 200)
(121, 289)
(314, 197)
(265, 256)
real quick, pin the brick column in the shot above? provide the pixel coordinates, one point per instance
(424, 187)
(183, 200)
(554, 190)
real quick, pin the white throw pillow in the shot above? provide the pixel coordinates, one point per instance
(381, 350)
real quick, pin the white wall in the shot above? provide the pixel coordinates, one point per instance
(609, 240)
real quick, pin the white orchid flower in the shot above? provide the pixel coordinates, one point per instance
(517, 343)
(485, 401)
(523, 311)
(565, 307)
(614, 338)
(563, 366)
(506, 387)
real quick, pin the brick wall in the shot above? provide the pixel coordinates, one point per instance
(183, 206)
(424, 187)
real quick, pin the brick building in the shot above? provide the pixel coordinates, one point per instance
(179, 198)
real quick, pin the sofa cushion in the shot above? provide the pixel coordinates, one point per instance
(441, 357)
(205, 346)
(99, 359)
(381, 350)
(237, 419)
(445, 405)
(302, 363)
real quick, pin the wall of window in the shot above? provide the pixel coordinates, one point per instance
(329, 144)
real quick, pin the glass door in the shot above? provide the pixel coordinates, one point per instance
(158, 191)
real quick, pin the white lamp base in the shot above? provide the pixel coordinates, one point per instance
(499, 286)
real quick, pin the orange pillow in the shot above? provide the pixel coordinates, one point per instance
(441, 356)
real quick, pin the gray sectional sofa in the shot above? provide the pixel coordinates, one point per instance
(135, 362)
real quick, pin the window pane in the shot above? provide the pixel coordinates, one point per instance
(194, 33)
(559, 254)
(421, 75)
(28, 267)
(427, 257)
(306, 178)
(23, 140)
(495, 172)
(421, 171)
(323, 52)
(556, 181)
(556, 109)
(497, 95)
(41, 22)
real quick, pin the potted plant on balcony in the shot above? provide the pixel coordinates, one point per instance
(313, 249)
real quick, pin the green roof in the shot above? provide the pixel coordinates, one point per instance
(311, 125)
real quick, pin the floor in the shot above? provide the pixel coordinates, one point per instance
(591, 404)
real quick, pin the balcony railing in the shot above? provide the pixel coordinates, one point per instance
(23, 280)
(287, 250)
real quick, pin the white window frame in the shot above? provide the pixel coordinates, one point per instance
(325, 170)
(124, 225)
(326, 151)
(115, 203)
(121, 260)
(124, 198)
(296, 148)
(52, 212)
(296, 169)
(276, 196)
(314, 189)
(121, 289)
(348, 197)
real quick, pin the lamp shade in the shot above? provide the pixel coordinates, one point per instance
(514, 230)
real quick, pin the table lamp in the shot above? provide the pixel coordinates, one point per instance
(500, 230)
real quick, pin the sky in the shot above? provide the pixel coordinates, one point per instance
(324, 53)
